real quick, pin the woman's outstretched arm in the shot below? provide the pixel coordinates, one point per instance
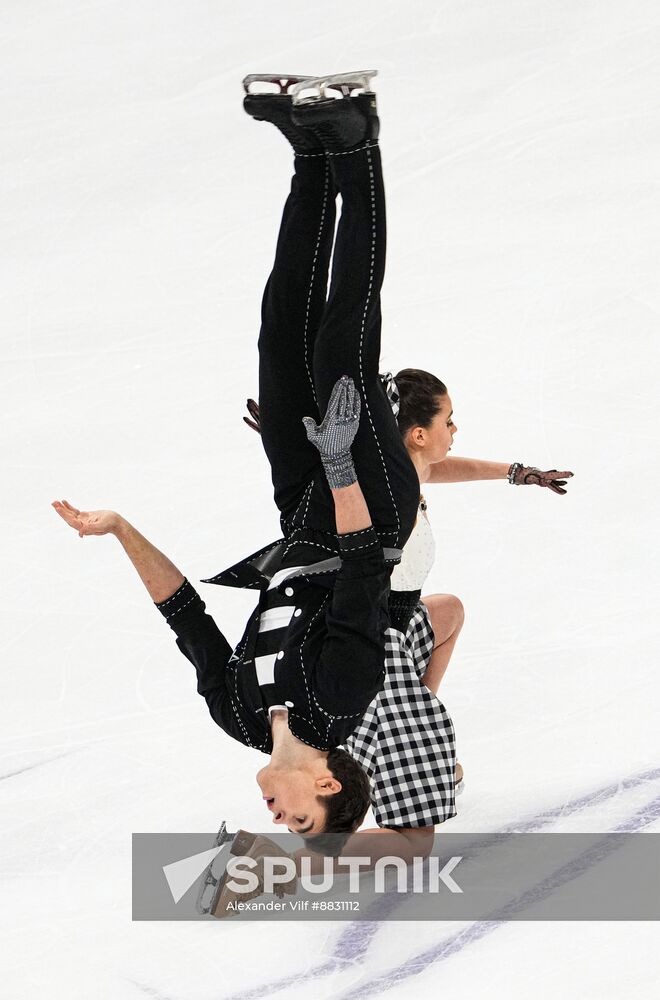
(464, 470)
(372, 845)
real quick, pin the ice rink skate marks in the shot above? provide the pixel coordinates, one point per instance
(31, 767)
(353, 944)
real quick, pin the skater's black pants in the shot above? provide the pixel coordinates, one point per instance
(306, 343)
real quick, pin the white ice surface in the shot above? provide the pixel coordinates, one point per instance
(139, 209)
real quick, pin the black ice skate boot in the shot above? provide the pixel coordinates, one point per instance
(340, 124)
(276, 108)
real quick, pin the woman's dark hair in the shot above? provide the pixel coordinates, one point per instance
(345, 810)
(419, 398)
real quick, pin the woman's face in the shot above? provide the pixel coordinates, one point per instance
(434, 441)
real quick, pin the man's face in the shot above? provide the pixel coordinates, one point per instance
(291, 797)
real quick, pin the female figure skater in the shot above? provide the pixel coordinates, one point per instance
(424, 412)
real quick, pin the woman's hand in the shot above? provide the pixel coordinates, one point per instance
(527, 475)
(88, 522)
(253, 410)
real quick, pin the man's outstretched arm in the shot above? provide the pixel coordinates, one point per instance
(158, 573)
(197, 635)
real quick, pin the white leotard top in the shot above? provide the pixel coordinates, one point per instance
(418, 556)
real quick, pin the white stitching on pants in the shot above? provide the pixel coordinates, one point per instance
(308, 156)
(364, 319)
(309, 497)
(347, 152)
(305, 495)
(311, 280)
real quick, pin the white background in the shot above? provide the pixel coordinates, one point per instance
(139, 207)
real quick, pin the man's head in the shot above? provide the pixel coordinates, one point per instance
(425, 414)
(327, 797)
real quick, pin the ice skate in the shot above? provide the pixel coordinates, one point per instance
(343, 122)
(208, 888)
(250, 845)
(311, 89)
(275, 106)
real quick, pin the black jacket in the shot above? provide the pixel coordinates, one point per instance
(332, 660)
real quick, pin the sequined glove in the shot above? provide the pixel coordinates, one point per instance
(527, 475)
(334, 435)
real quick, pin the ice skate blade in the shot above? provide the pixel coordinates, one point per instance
(208, 887)
(344, 83)
(283, 81)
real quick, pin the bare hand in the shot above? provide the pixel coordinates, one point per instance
(87, 522)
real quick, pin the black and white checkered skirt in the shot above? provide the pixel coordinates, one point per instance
(405, 741)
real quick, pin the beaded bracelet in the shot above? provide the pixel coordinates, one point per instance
(513, 472)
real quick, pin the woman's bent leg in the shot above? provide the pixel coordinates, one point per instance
(447, 617)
